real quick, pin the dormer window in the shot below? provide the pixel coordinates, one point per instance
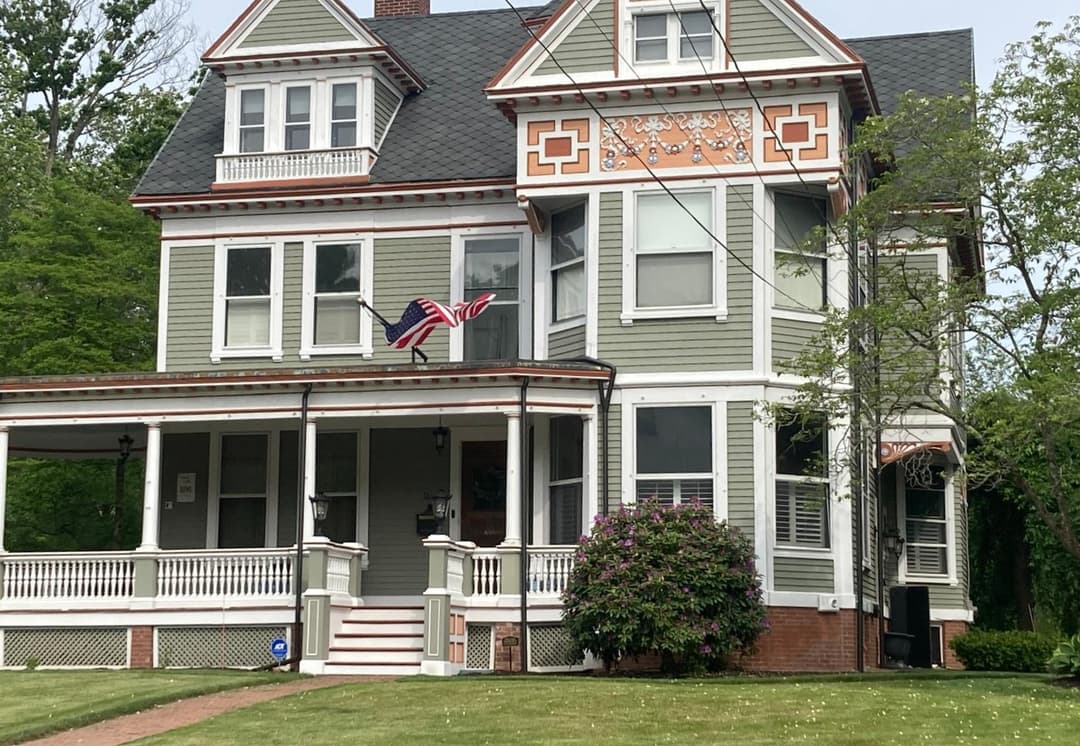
(673, 37)
(343, 116)
(298, 118)
(252, 120)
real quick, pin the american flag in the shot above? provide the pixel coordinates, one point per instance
(472, 309)
(419, 320)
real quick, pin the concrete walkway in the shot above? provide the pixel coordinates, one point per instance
(127, 728)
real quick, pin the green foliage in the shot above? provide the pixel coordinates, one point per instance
(989, 650)
(1066, 659)
(673, 581)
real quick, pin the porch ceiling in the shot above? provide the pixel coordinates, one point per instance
(76, 442)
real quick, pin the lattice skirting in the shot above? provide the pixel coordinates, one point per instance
(550, 646)
(84, 647)
(215, 647)
(478, 647)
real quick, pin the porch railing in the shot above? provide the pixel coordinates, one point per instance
(550, 568)
(81, 576)
(487, 572)
(219, 573)
(338, 571)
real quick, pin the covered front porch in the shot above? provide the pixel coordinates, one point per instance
(232, 460)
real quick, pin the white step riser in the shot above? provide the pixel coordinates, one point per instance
(416, 641)
(373, 671)
(395, 628)
(361, 614)
(361, 658)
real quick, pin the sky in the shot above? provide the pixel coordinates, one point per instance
(996, 22)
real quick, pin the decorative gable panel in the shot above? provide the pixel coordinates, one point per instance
(294, 22)
(588, 46)
(757, 33)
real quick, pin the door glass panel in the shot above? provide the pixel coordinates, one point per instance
(483, 492)
(241, 522)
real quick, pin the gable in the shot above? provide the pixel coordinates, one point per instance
(292, 22)
(757, 33)
(588, 46)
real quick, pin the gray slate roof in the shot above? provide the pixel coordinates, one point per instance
(450, 131)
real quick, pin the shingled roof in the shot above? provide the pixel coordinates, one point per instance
(450, 131)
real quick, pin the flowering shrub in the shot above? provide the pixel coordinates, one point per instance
(673, 581)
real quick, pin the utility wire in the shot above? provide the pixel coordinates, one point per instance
(630, 150)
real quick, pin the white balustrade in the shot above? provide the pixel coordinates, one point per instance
(550, 568)
(337, 573)
(81, 576)
(296, 164)
(487, 572)
(226, 573)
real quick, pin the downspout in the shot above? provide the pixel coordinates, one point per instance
(605, 392)
(879, 480)
(298, 584)
(523, 574)
(857, 434)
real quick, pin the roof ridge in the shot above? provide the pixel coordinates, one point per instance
(473, 12)
(970, 30)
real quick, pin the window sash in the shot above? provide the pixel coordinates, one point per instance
(298, 118)
(247, 322)
(675, 489)
(343, 122)
(494, 334)
(669, 280)
(252, 123)
(656, 42)
(694, 44)
(802, 512)
(803, 287)
(568, 291)
(565, 511)
(252, 458)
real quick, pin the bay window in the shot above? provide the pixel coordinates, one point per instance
(673, 460)
(802, 483)
(252, 120)
(247, 296)
(800, 267)
(926, 525)
(566, 479)
(674, 253)
(568, 238)
(492, 265)
(343, 115)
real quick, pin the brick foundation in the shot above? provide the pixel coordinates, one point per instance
(949, 630)
(508, 660)
(142, 647)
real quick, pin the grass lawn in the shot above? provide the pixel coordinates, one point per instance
(884, 709)
(35, 703)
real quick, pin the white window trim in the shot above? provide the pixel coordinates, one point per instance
(218, 350)
(232, 124)
(674, 32)
(365, 346)
(676, 398)
(950, 532)
(525, 285)
(718, 308)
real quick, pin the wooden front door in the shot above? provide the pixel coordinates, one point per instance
(483, 492)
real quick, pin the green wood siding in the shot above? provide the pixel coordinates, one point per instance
(758, 34)
(297, 22)
(386, 102)
(701, 344)
(406, 269)
(789, 338)
(803, 574)
(586, 48)
(184, 525)
(566, 343)
(740, 467)
(190, 308)
(614, 458)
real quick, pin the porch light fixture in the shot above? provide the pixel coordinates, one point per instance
(126, 442)
(440, 507)
(440, 434)
(320, 506)
(893, 541)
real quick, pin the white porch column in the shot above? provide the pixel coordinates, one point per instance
(309, 479)
(151, 489)
(3, 482)
(513, 480)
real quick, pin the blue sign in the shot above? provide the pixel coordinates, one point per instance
(279, 648)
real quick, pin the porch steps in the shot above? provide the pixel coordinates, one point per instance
(381, 640)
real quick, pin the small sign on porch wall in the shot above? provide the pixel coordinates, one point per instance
(185, 487)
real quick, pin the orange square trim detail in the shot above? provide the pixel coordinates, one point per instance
(795, 132)
(820, 113)
(557, 147)
(536, 128)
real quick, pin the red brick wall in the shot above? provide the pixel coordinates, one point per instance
(142, 647)
(808, 640)
(508, 659)
(402, 8)
(949, 630)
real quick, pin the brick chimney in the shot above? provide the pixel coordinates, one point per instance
(402, 8)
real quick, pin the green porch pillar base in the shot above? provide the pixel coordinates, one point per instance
(146, 569)
(316, 626)
(315, 564)
(436, 659)
(1, 575)
(511, 573)
(355, 572)
(467, 575)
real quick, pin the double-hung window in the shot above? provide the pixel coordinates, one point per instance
(298, 118)
(926, 526)
(566, 483)
(248, 297)
(674, 253)
(800, 265)
(673, 463)
(670, 37)
(802, 483)
(335, 476)
(343, 115)
(242, 490)
(568, 237)
(337, 314)
(252, 120)
(492, 265)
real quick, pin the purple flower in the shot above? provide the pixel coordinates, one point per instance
(628, 543)
(706, 649)
(715, 627)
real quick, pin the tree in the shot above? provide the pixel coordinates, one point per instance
(1002, 164)
(74, 63)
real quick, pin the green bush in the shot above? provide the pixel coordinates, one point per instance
(1066, 659)
(672, 581)
(988, 650)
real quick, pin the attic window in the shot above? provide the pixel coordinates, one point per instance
(252, 120)
(664, 37)
(298, 118)
(343, 116)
